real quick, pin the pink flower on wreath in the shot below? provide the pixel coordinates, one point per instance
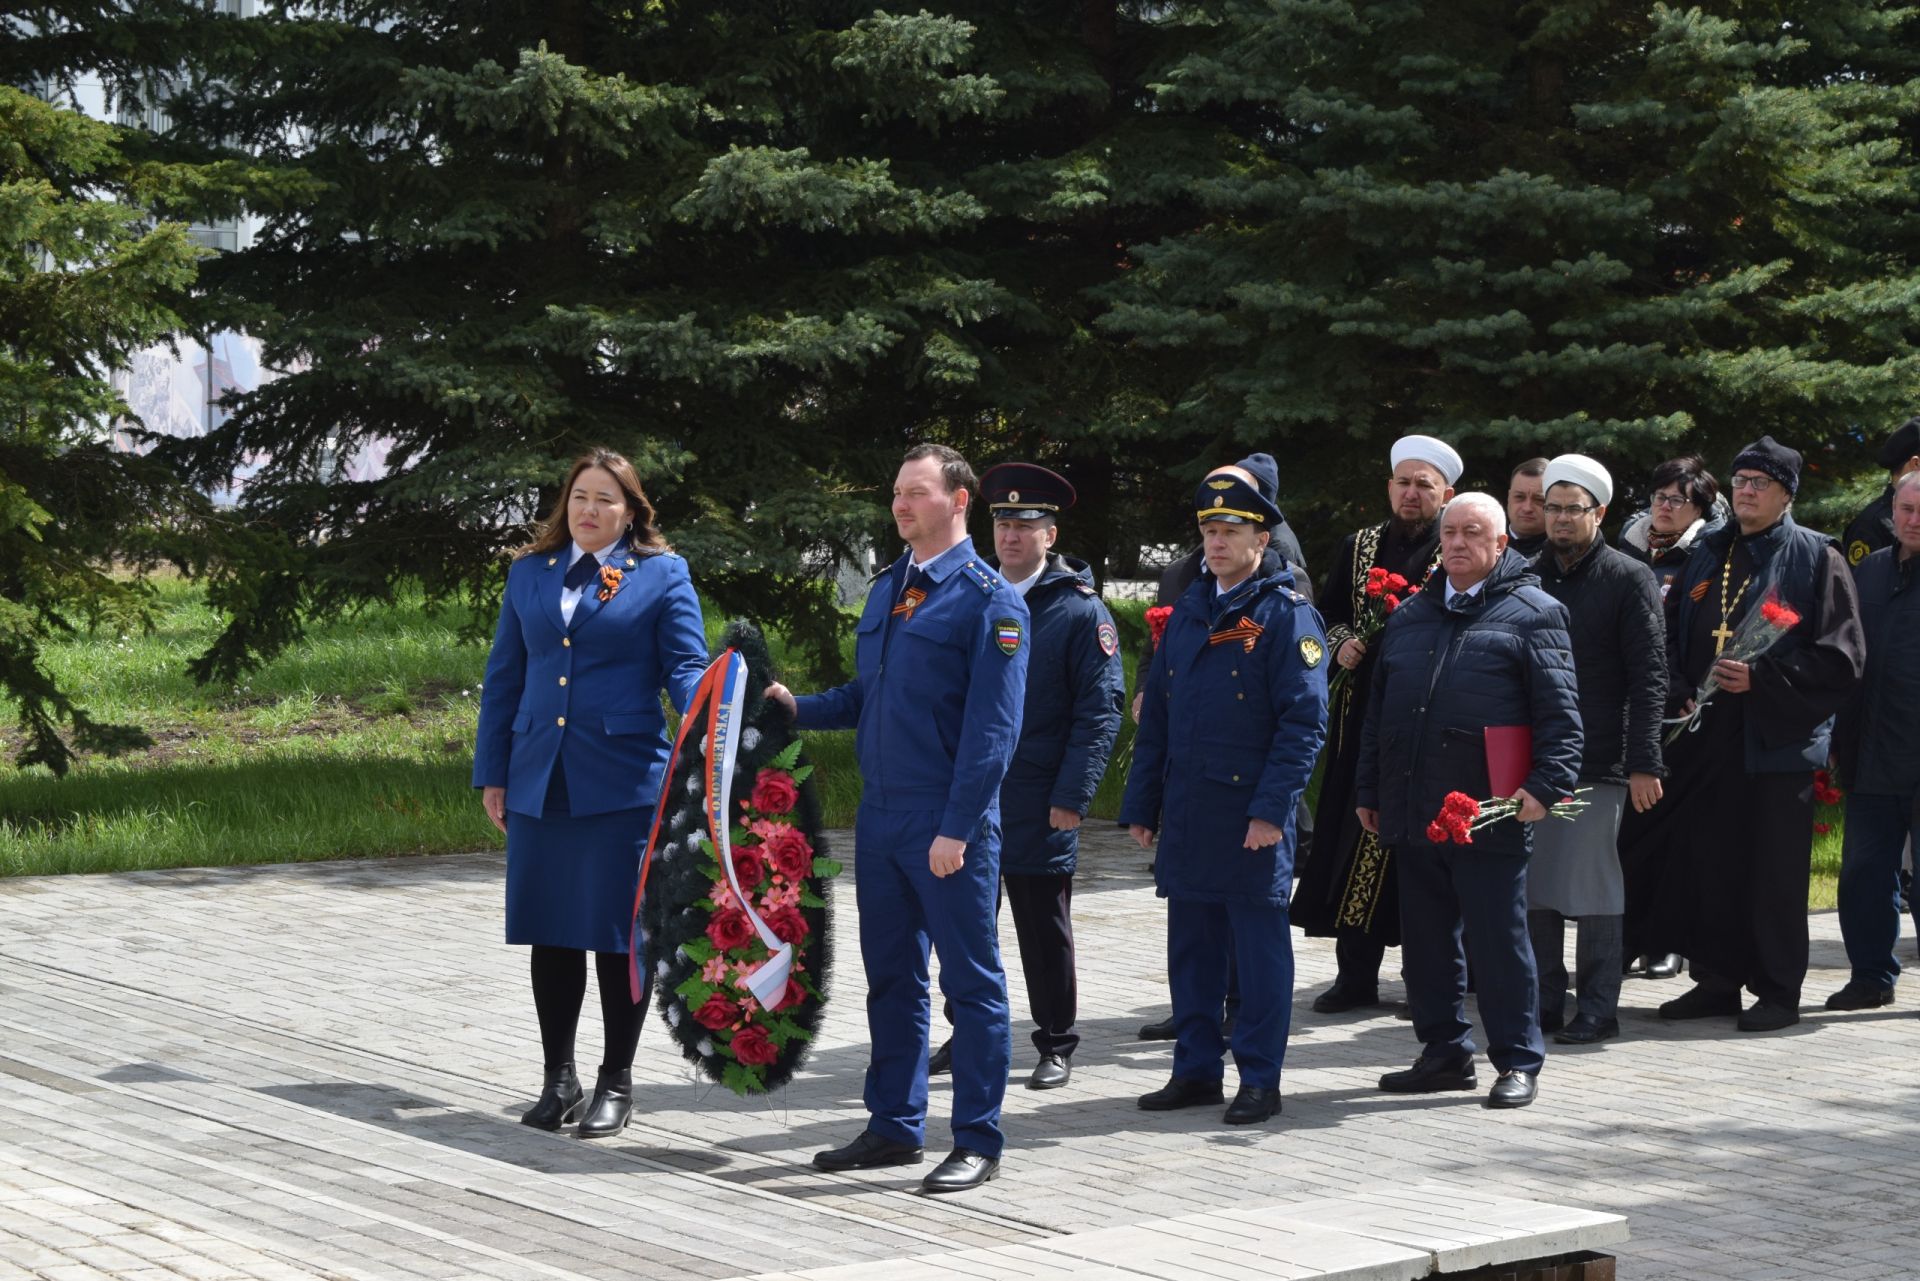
(715, 970)
(783, 894)
(722, 896)
(748, 1006)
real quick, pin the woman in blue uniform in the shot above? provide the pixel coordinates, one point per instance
(598, 619)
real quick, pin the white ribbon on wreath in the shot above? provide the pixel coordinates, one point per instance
(768, 984)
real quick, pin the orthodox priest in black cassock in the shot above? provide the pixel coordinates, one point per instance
(1348, 890)
(1717, 870)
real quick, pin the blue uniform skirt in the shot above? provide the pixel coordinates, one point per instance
(571, 881)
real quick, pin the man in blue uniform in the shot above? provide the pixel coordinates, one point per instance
(941, 667)
(1234, 714)
(1075, 688)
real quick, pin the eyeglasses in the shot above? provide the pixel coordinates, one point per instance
(1670, 501)
(1758, 484)
(1569, 509)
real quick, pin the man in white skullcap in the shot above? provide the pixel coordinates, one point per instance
(1620, 662)
(1348, 889)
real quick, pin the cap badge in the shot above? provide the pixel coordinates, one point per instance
(1014, 496)
(1219, 500)
(1220, 484)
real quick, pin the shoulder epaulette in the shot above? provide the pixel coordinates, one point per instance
(1084, 590)
(882, 572)
(982, 577)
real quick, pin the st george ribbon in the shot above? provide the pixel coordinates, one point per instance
(718, 702)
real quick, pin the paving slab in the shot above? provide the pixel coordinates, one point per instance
(315, 1071)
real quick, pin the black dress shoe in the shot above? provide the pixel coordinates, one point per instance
(1513, 1090)
(1860, 996)
(1182, 1092)
(940, 1062)
(1252, 1105)
(612, 1105)
(1700, 1002)
(964, 1168)
(1768, 1016)
(1161, 1031)
(1586, 1029)
(1664, 967)
(1340, 998)
(1430, 1075)
(1050, 1073)
(868, 1152)
(561, 1100)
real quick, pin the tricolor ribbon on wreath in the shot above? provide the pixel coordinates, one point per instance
(717, 705)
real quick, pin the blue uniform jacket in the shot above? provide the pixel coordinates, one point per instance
(1229, 730)
(1075, 689)
(1502, 657)
(936, 697)
(589, 694)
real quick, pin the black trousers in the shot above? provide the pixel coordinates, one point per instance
(1043, 922)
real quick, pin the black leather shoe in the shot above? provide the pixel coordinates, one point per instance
(1700, 1002)
(940, 1062)
(1767, 1016)
(1161, 1031)
(1050, 1073)
(612, 1105)
(1586, 1030)
(1860, 996)
(1340, 998)
(1513, 1090)
(1430, 1075)
(1182, 1092)
(561, 1100)
(1252, 1105)
(1664, 967)
(868, 1152)
(964, 1168)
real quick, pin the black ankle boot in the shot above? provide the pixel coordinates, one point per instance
(561, 1100)
(612, 1105)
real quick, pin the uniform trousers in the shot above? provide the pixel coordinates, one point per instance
(1198, 938)
(1446, 890)
(1878, 829)
(904, 909)
(1043, 922)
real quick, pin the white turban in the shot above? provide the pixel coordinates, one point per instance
(1578, 469)
(1437, 454)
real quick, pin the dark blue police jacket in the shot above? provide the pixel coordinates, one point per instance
(1075, 689)
(587, 693)
(1234, 715)
(1502, 657)
(936, 696)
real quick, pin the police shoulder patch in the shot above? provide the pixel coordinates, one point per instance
(1311, 651)
(1109, 638)
(1006, 634)
(1857, 551)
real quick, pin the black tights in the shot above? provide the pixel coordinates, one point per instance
(559, 989)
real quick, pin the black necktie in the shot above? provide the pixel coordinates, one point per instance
(581, 572)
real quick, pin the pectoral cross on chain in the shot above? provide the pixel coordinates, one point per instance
(1721, 635)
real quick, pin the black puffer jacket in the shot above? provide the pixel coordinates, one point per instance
(1444, 675)
(1619, 657)
(1877, 739)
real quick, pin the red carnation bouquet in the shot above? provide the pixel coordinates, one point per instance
(1461, 816)
(1826, 794)
(1384, 593)
(1755, 636)
(1157, 622)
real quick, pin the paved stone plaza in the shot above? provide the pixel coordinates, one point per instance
(314, 1071)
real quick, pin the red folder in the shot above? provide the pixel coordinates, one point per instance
(1509, 757)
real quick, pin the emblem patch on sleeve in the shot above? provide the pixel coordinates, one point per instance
(1109, 640)
(1857, 551)
(1006, 634)
(1311, 651)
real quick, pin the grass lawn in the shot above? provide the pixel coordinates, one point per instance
(356, 743)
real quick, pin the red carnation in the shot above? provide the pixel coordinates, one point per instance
(1437, 832)
(788, 924)
(794, 995)
(1778, 615)
(750, 865)
(1376, 586)
(1462, 804)
(729, 929)
(1157, 622)
(717, 1013)
(791, 852)
(753, 1047)
(1396, 583)
(775, 792)
(1393, 603)
(1822, 828)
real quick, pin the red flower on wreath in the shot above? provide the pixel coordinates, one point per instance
(750, 865)
(788, 924)
(1157, 622)
(609, 582)
(717, 1013)
(729, 929)
(752, 1046)
(794, 996)
(775, 792)
(791, 852)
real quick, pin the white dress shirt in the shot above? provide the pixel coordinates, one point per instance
(1468, 592)
(570, 596)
